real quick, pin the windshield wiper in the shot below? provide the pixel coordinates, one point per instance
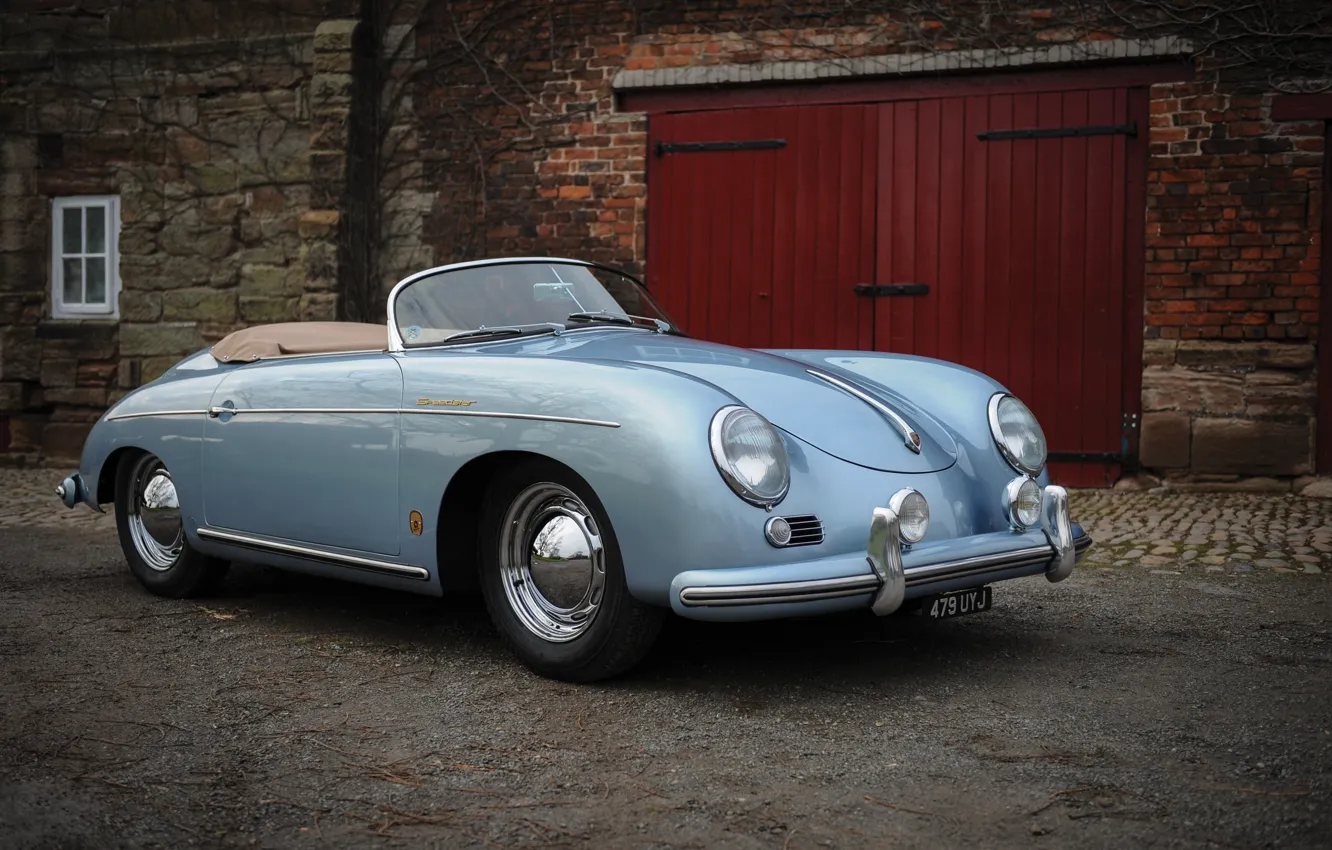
(619, 319)
(504, 330)
(600, 316)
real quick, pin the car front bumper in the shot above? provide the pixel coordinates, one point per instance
(888, 573)
(73, 489)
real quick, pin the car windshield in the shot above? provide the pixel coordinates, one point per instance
(526, 296)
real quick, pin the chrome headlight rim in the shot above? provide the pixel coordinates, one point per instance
(1012, 492)
(723, 464)
(997, 434)
(898, 502)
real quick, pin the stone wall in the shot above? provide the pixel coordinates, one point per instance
(1216, 411)
(207, 142)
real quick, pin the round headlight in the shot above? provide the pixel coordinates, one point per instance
(1022, 502)
(1017, 433)
(750, 455)
(913, 515)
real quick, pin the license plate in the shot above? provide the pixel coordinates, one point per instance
(959, 602)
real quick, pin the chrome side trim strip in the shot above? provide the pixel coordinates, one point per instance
(337, 558)
(791, 591)
(216, 411)
(909, 437)
(147, 413)
(536, 417)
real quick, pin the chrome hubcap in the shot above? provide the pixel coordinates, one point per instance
(154, 514)
(552, 562)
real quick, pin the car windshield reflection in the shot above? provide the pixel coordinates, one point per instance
(510, 299)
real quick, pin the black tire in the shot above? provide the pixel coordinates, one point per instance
(166, 566)
(621, 629)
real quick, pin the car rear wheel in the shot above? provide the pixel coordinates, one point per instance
(152, 533)
(553, 578)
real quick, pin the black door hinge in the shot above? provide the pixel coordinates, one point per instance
(1129, 129)
(663, 148)
(884, 290)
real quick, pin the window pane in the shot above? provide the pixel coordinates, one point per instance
(73, 291)
(96, 290)
(73, 230)
(96, 231)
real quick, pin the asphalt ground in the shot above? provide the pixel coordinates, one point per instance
(1169, 704)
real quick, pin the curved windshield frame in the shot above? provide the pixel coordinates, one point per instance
(510, 298)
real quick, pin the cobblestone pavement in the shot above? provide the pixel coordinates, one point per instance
(1216, 532)
(1220, 532)
(28, 500)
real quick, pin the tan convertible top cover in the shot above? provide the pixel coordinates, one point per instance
(288, 338)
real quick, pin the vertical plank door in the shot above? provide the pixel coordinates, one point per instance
(1019, 241)
(761, 221)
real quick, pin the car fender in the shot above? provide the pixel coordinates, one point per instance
(638, 435)
(165, 417)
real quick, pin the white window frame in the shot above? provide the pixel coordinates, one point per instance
(110, 204)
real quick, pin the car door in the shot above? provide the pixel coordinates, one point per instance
(305, 449)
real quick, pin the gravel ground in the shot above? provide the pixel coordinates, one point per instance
(1177, 703)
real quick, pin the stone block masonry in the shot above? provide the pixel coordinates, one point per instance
(215, 140)
(1216, 411)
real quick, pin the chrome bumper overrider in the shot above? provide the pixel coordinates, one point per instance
(889, 580)
(72, 490)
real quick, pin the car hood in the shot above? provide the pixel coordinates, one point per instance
(793, 399)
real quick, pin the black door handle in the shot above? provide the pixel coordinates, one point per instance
(883, 290)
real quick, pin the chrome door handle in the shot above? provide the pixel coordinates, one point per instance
(216, 411)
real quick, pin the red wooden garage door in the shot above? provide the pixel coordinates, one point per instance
(989, 230)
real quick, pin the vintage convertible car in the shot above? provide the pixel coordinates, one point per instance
(537, 426)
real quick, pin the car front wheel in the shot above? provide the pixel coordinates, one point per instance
(553, 578)
(152, 534)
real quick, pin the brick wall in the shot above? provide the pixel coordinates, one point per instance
(1233, 253)
(1232, 256)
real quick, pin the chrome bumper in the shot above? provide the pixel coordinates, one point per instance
(71, 491)
(889, 580)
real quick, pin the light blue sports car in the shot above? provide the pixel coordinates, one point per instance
(538, 427)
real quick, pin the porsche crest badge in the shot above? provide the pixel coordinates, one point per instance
(416, 522)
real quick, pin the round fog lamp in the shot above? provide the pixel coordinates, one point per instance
(778, 531)
(913, 515)
(1022, 498)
